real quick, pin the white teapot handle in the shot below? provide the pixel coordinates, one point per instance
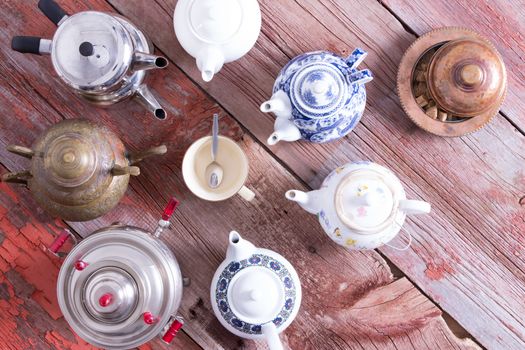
(272, 337)
(412, 207)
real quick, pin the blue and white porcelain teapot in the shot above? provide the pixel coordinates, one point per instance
(255, 292)
(318, 96)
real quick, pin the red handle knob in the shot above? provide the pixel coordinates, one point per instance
(149, 318)
(173, 330)
(59, 241)
(105, 300)
(80, 265)
(170, 208)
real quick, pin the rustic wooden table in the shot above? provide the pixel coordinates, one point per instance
(461, 285)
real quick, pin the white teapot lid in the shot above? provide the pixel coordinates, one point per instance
(366, 201)
(215, 21)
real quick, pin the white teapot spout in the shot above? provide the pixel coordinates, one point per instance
(238, 248)
(209, 62)
(311, 201)
(284, 128)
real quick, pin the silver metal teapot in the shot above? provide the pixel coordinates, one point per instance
(103, 57)
(121, 286)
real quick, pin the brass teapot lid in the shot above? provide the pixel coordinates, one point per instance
(451, 81)
(466, 77)
(79, 170)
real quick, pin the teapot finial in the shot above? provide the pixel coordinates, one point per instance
(238, 248)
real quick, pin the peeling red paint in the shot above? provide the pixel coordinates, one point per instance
(436, 272)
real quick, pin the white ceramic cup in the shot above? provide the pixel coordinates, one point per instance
(230, 157)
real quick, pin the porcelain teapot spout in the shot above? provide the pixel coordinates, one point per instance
(284, 127)
(239, 248)
(311, 201)
(146, 61)
(209, 62)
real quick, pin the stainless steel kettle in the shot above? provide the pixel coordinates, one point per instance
(121, 286)
(103, 57)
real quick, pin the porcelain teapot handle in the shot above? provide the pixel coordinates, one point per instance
(269, 331)
(413, 207)
(356, 57)
(402, 248)
(52, 11)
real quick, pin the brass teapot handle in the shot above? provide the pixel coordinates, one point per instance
(20, 177)
(125, 170)
(134, 158)
(21, 151)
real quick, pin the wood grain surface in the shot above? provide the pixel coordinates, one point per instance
(468, 254)
(351, 298)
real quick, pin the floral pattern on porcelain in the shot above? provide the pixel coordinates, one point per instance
(337, 230)
(221, 291)
(333, 111)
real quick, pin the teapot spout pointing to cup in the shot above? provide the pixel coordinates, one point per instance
(284, 128)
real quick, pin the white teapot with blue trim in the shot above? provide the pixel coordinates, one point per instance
(360, 205)
(255, 292)
(318, 96)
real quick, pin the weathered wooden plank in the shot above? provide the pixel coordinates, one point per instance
(474, 183)
(501, 21)
(199, 230)
(29, 314)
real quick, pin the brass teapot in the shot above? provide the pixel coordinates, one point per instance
(79, 170)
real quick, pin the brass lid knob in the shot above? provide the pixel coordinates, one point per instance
(70, 160)
(467, 77)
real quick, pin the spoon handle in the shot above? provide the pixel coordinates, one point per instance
(215, 139)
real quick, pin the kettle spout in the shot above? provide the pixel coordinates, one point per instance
(238, 248)
(209, 62)
(146, 61)
(146, 98)
(284, 128)
(311, 201)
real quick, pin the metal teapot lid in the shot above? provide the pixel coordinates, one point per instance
(119, 287)
(318, 90)
(216, 21)
(366, 201)
(91, 51)
(466, 77)
(74, 161)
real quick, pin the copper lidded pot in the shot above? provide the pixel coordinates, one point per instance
(452, 81)
(121, 286)
(79, 170)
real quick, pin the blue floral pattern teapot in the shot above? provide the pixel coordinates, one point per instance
(318, 96)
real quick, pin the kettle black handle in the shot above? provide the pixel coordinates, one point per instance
(26, 44)
(52, 11)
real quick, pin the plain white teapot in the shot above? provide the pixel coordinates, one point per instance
(360, 205)
(255, 292)
(216, 31)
